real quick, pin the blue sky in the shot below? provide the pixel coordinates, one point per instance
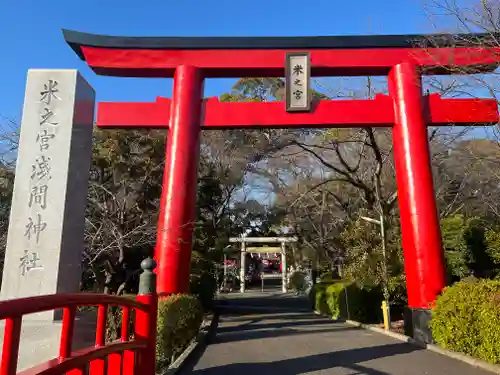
(30, 33)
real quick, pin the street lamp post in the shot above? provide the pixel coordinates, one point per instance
(341, 274)
(225, 267)
(386, 306)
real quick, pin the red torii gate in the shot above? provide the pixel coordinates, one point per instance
(190, 60)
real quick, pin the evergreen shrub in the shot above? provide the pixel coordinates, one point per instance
(466, 318)
(179, 320)
(364, 305)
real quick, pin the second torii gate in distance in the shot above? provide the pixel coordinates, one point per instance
(403, 58)
(263, 240)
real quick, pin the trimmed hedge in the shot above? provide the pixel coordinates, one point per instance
(179, 319)
(364, 304)
(466, 319)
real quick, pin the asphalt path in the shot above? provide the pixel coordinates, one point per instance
(263, 334)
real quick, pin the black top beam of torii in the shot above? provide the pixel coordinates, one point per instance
(78, 39)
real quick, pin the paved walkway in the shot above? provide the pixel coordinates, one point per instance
(283, 342)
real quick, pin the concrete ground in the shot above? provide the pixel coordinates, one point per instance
(264, 334)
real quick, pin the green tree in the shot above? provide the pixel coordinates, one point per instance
(122, 204)
(364, 262)
(469, 248)
(6, 189)
(124, 196)
(9, 141)
(492, 240)
(481, 264)
(456, 252)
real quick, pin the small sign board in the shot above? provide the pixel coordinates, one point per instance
(298, 81)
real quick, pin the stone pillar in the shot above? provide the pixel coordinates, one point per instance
(283, 268)
(243, 267)
(46, 230)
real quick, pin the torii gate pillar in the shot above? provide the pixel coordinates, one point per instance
(420, 229)
(178, 198)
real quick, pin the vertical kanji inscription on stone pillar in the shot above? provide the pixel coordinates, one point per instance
(46, 228)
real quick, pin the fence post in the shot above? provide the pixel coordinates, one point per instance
(145, 322)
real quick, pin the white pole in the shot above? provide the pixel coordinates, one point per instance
(225, 272)
(386, 278)
(283, 268)
(242, 269)
(345, 289)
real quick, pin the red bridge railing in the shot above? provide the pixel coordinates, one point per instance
(125, 356)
